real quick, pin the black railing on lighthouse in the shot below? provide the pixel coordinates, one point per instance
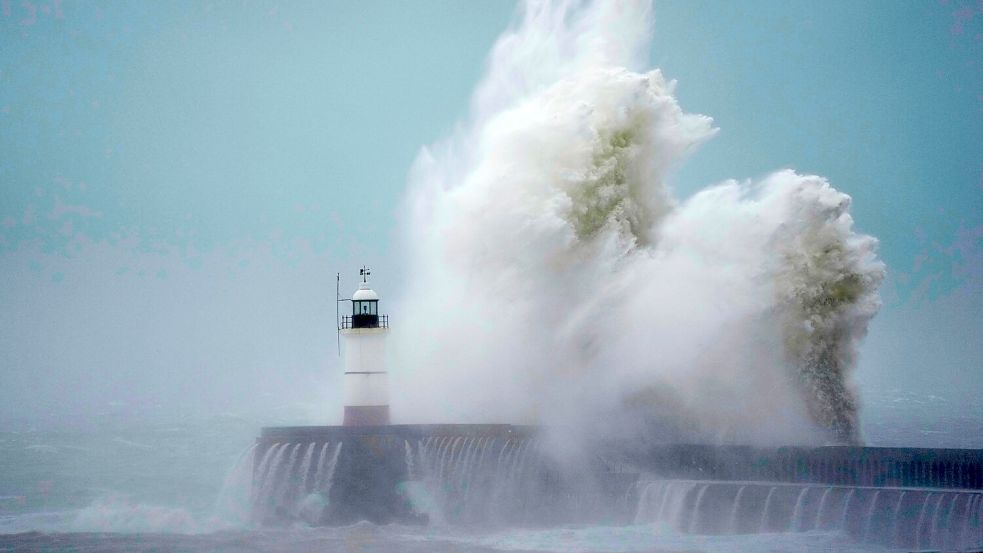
(365, 321)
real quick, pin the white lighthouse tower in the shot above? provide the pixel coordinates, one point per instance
(366, 383)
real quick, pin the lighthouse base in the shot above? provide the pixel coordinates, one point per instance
(366, 415)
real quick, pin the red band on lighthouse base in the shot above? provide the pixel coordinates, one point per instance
(367, 415)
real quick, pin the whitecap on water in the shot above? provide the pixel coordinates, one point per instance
(116, 514)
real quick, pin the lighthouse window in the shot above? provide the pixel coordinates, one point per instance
(365, 307)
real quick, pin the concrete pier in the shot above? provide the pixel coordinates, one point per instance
(834, 465)
(331, 475)
(368, 475)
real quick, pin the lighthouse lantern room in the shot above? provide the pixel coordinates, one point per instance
(366, 382)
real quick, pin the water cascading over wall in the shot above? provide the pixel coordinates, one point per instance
(292, 481)
(506, 475)
(899, 517)
(901, 497)
(496, 474)
(509, 480)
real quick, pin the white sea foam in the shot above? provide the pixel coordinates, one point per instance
(118, 514)
(554, 271)
(655, 538)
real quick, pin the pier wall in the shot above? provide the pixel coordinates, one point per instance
(833, 465)
(501, 473)
(298, 475)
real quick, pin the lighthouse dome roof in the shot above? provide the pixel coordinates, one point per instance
(364, 293)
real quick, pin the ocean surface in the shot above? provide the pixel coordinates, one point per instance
(115, 485)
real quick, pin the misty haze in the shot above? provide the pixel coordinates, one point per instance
(554, 276)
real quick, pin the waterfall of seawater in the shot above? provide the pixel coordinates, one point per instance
(665, 502)
(305, 469)
(932, 523)
(475, 478)
(846, 508)
(735, 508)
(322, 458)
(293, 480)
(797, 521)
(410, 463)
(871, 510)
(694, 517)
(900, 517)
(921, 520)
(763, 525)
(507, 479)
(896, 517)
(263, 481)
(234, 501)
(817, 524)
(284, 482)
(326, 479)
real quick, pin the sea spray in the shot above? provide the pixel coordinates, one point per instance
(119, 514)
(553, 269)
(234, 502)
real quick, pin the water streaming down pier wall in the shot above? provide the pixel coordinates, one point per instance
(421, 473)
(900, 497)
(512, 480)
(900, 517)
(501, 474)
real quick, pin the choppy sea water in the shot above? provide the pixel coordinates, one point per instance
(119, 486)
(371, 538)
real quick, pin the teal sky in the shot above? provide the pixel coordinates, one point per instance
(179, 181)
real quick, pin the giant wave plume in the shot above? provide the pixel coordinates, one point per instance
(555, 279)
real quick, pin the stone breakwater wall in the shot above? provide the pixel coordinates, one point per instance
(833, 465)
(338, 474)
(504, 474)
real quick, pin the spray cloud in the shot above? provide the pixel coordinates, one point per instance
(555, 279)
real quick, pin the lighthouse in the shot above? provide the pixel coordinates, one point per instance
(366, 384)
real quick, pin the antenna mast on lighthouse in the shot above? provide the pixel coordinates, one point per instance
(337, 315)
(364, 273)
